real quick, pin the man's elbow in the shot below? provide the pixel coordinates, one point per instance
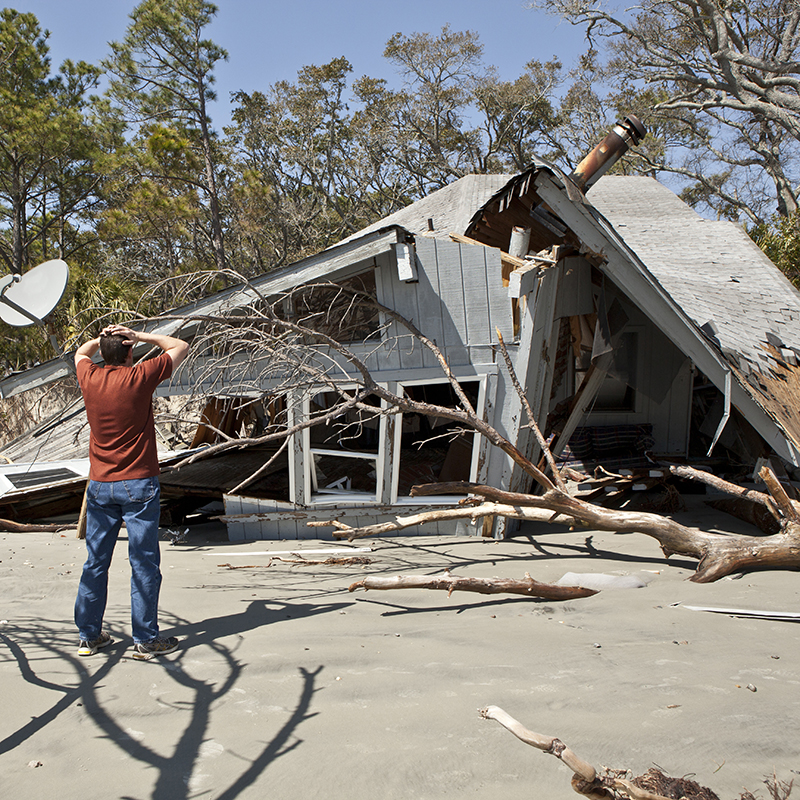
(179, 353)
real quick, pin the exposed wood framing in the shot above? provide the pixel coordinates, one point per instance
(635, 280)
(583, 398)
(509, 262)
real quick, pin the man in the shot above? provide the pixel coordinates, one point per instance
(123, 483)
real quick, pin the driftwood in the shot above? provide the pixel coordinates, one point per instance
(588, 782)
(347, 561)
(527, 586)
(718, 554)
(9, 526)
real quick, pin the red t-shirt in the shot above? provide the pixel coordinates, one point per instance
(119, 407)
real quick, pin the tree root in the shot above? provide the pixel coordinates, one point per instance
(653, 785)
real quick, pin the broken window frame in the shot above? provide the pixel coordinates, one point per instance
(483, 387)
(312, 496)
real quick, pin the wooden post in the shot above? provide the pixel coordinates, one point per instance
(81, 532)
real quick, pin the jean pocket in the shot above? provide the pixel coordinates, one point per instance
(93, 490)
(99, 492)
(141, 490)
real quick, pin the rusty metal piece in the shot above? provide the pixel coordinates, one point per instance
(623, 136)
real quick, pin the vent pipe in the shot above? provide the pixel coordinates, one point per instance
(624, 135)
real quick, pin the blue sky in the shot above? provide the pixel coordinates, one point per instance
(271, 41)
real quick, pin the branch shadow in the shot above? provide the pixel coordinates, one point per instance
(398, 609)
(26, 642)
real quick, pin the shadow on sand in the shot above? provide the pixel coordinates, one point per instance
(36, 644)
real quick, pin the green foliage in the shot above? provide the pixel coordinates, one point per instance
(136, 188)
(320, 158)
(163, 208)
(48, 145)
(153, 211)
(300, 162)
(780, 240)
(519, 120)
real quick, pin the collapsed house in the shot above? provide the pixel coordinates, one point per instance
(639, 331)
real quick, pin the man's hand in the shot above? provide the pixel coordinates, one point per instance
(131, 337)
(175, 348)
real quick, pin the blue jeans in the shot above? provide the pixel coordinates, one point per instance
(108, 504)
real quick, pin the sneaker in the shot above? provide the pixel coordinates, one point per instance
(158, 647)
(91, 647)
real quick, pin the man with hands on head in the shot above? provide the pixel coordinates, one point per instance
(123, 482)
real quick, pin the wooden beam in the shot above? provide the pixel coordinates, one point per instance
(522, 280)
(584, 397)
(506, 259)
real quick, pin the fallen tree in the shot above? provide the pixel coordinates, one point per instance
(718, 554)
(309, 351)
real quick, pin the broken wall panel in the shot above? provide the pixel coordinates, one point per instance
(251, 518)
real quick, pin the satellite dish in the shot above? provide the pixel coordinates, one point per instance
(27, 299)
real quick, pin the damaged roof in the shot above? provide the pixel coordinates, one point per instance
(712, 268)
(736, 310)
(722, 280)
(446, 210)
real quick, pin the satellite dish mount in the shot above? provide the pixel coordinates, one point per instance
(29, 298)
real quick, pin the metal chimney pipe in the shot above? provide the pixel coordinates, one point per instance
(624, 135)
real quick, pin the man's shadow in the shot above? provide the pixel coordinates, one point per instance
(25, 644)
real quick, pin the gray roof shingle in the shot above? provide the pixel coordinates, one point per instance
(450, 208)
(712, 269)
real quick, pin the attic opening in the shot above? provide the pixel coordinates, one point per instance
(340, 310)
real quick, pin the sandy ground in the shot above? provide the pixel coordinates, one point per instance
(288, 686)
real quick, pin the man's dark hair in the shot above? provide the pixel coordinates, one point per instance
(114, 352)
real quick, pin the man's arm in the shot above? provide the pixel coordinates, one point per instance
(175, 348)
(87, 350)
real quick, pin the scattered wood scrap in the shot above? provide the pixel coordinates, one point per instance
(653, 785)
(347, 561)
(527, 586)
(9, 526)
(608, 483)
